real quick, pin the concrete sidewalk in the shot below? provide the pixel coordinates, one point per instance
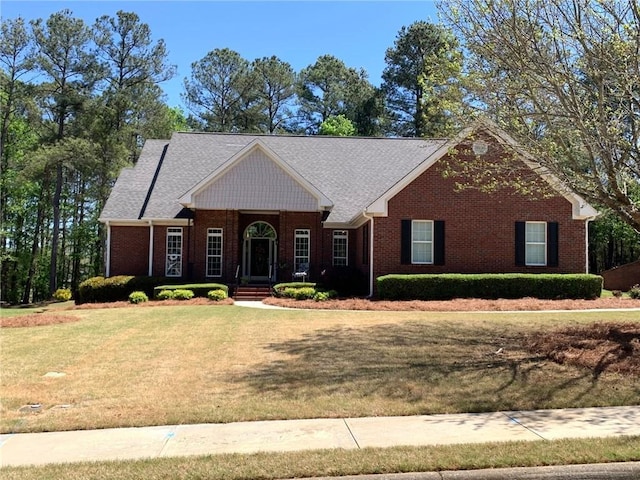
(292, 435)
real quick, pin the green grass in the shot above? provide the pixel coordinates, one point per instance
(196, 364)
(345, 462)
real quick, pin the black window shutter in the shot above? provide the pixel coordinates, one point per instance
(405, 245)
(520, 243)
(552, 244)
(438, 242)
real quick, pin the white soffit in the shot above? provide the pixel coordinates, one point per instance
(256, 179)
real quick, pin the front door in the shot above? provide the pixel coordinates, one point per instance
(259, 252)
(260, 257)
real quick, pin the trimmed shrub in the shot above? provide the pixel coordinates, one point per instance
(198, 289)
(138, 297)
(114, 289)
(62, 295)
(489, 286)
(635, 292)
(324, 296)
(280, 288)
(165, 295)
(182, 294)
(216, 295)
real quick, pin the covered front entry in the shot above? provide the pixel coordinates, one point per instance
(259, 252)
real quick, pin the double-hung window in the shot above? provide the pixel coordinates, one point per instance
(173, 265)
(535, 243)
(340, 247)
(422, 241)
(302, 244)
(214, 252)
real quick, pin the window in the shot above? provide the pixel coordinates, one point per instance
(214, 252)
(340, 247)
(535, 243)
(173, 266)
(422, 241)
(301, 248)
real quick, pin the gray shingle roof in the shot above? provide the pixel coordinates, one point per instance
(130, 190)
(352, 172)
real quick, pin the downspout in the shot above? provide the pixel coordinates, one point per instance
(370, 218)
(107, 259)
(150, 268)
(586, 243)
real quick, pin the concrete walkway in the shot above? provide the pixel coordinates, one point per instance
(292, 435)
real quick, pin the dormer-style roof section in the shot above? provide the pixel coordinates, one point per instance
(256, 178)
(581, 209)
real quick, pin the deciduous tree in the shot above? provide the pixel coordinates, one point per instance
(563, 76)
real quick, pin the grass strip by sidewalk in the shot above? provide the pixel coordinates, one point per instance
(339, 462)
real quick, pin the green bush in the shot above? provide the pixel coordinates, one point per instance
(216, 295)
(62, 295)
(635, 292)
(182, 294)
(488, 286)
(280, 288)
(114, 289)
(324, 296)
(198, 289)
(138, 297)
(165, 295)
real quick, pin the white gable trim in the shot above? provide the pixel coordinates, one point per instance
(187, 200)
(581, 209)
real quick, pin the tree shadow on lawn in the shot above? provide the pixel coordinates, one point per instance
(422, 368)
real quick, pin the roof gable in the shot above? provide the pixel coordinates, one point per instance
(581, 209)
(256, 178)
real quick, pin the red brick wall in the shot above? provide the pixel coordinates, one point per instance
(479, 227)
(623, 277)
(233, 224)
(129, 251)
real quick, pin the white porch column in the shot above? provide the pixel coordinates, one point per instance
(150, 269)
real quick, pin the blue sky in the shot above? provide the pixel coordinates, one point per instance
(298, 32)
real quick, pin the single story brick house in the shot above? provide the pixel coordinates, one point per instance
(220, 207)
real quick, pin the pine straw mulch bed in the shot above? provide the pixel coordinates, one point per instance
(599, 347)
(458, 305)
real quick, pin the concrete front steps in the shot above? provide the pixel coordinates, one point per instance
(252, 292)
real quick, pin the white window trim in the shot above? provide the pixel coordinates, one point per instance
(169, 260)
(544, 244)
(428, 242)
(298, 259)
(214, 233)
(340, 235)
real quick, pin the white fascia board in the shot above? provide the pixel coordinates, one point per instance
(337, 226)
(119, 222)
(179, 222)
(324, 203)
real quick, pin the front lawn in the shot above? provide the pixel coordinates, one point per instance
(137, 366)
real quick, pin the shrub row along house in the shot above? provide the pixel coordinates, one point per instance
(224, 207)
